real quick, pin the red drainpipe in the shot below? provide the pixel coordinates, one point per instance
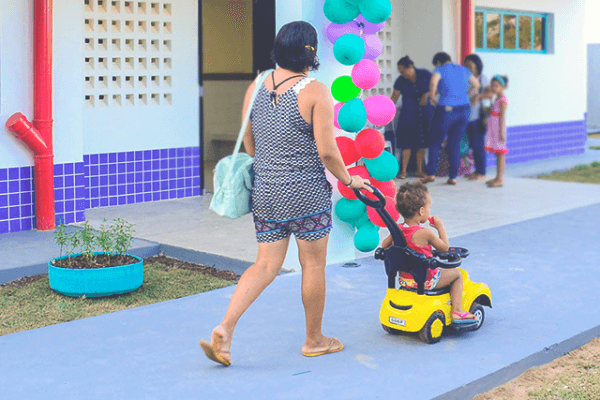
(38, 137)
(466, 31)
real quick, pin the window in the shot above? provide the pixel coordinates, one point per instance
(510, 31)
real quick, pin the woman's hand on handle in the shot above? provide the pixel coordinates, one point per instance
(358, 182)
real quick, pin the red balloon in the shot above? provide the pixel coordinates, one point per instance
(369, 143)
(345, 191)
(390, 206)
(348, 149)
(388, 189)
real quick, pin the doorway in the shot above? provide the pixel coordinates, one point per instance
(236, 38)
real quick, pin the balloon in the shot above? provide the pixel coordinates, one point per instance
(340, 11)
(368, 27)
(366, 237)
(376, 11)
(355, 2)
(344, 190)
(348, 150)
(380, 109)
(349, 49)
(369, 143)
(349, 210)
(361, 221)
(336, 110)
(373, 46)
(352, 116)
(388, 189)
(390, 206)
(334, 31)
(384, 167)
(343, 89)
(366, 74)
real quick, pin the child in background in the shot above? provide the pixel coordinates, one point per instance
(496, 134)
(413, 202)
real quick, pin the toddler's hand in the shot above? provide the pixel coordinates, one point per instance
(435, 222)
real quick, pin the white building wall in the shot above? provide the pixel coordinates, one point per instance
(544, 88)
(593, 93)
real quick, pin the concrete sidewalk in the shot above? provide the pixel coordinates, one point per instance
(530, 241)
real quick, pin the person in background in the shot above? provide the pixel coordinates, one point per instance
(496, 133)
(452, 113)
(477, 127)
(415, 114)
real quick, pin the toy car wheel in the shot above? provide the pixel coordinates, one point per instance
(432, 331)
(390, 330)
(477, 311)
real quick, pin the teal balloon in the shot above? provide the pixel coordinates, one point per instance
(349, 49)
(366, 237)
(349, 210)
(355, 2)
(340, 11)
(352, 116)
(383, 168)
(376, 11)
(361, 221)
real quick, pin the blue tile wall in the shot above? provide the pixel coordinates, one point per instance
(101, 180)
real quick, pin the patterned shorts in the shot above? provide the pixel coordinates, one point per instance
(302, 208)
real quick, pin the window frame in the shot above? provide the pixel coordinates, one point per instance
(518, 14)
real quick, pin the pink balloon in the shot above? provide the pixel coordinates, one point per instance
(380, 109)
(366, 74)
(336, 111)
(369, 27)
(347, 149)
(373, 46)
(334, 31)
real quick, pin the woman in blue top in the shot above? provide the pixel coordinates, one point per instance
(415, 114)
(452, 113)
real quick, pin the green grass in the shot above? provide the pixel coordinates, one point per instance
(36, 305)
(582, 384)
(595, 147)
(581, 173)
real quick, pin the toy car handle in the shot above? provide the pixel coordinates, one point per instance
(379, 206)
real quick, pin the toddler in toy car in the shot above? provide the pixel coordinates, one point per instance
(413, 202)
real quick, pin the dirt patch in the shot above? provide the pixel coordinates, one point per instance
(170, 262)
(575, 375)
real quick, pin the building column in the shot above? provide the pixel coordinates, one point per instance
(467, 12)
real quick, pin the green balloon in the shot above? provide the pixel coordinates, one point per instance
(343, 89)
(349, 210)
(361, 221)
(352, 116)
(340, 11)
(383, 168)
(366, 237)
(376, 11)
(349, 49)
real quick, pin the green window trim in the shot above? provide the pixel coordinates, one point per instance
(517, 14)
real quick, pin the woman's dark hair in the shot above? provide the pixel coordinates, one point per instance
(410, 198)
(441, 58)
(295, 47)
(474, 58)
(504, 78)
(406, 62)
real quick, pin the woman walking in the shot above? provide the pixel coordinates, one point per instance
(291, 136)
(477, 127)
(452, 113)
(415, 114)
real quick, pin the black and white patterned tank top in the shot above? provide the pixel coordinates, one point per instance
(285, 149)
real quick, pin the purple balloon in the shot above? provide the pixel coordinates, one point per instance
(334, 31)
(369, 27)
(373, 46)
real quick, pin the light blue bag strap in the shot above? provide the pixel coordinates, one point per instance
(238, 144)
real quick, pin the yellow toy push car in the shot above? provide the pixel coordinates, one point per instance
(419, 310)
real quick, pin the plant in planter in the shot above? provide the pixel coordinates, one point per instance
(92, 273)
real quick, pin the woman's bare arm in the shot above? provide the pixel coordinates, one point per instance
(249, 144)
(433, 85)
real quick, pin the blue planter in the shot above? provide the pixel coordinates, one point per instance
(96, 282)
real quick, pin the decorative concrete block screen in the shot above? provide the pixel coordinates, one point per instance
(127, 53)
(386, 62)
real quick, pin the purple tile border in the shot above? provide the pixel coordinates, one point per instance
(537, 142)
(101, 180)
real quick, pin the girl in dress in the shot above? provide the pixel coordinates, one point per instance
(496, 132)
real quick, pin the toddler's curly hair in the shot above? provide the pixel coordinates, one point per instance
(410, 198)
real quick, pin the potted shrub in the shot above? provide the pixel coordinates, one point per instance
(84, 271)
